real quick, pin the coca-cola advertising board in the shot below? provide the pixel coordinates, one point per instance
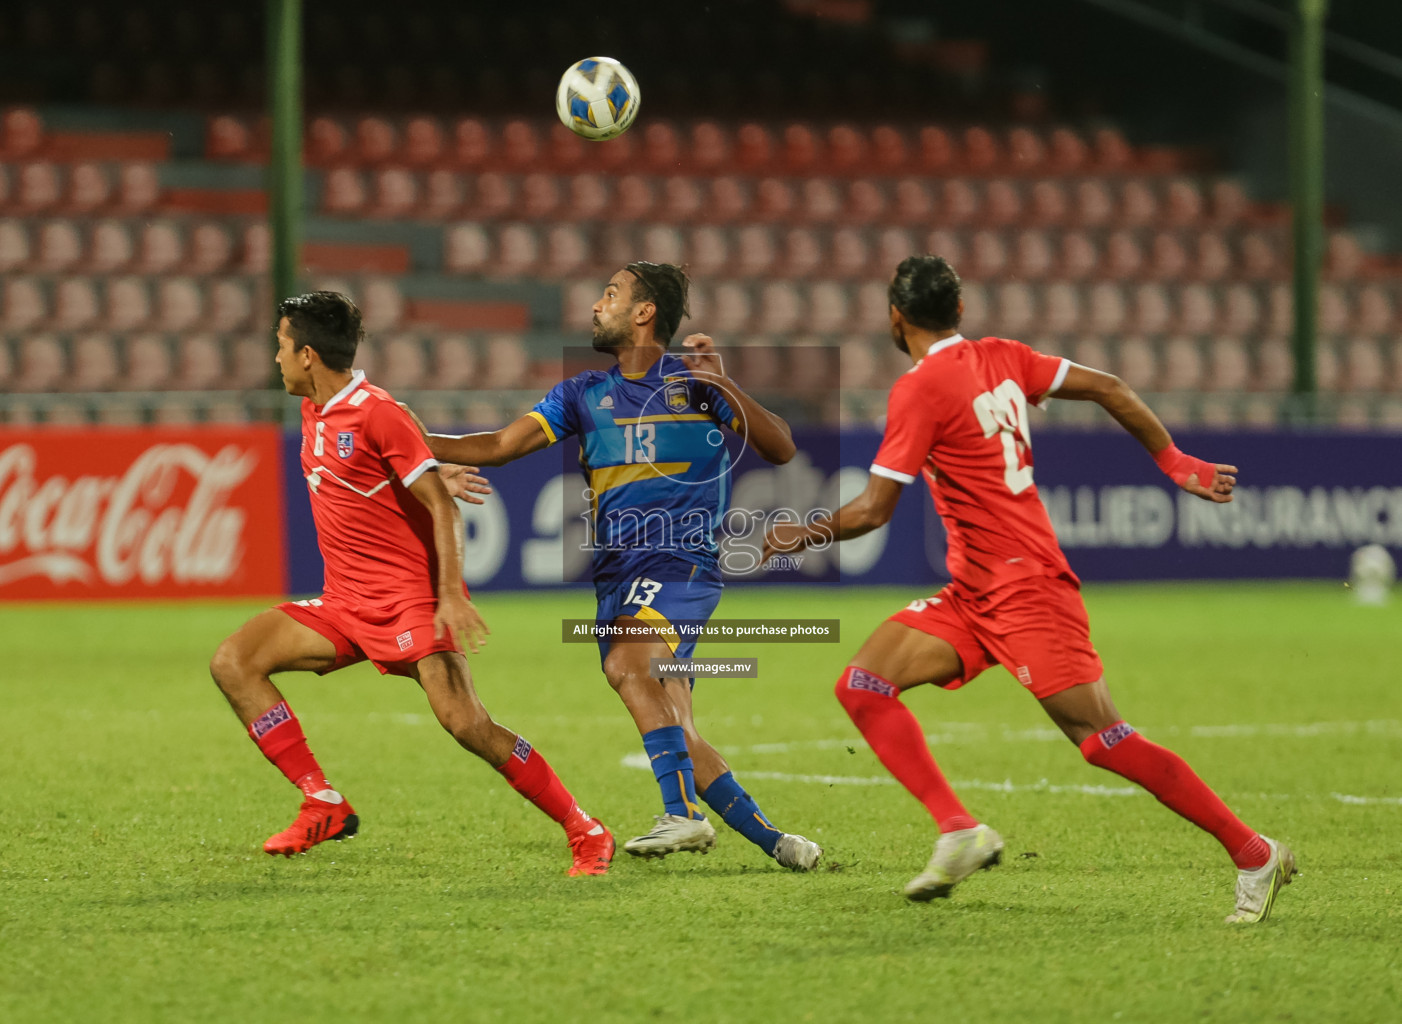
(151, 512)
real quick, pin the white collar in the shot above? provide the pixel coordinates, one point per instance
(943, 344)
(357, 379)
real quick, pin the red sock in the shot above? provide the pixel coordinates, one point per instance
(1167, 776)
(279, 736)
(888, 726)
(531, 775)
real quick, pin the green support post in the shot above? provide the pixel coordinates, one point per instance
(1307, 193)
(285, 160)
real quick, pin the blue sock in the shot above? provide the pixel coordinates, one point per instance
(738, 809)
(671, 764)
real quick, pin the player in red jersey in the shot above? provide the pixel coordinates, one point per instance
(959, 417)
(391, 539)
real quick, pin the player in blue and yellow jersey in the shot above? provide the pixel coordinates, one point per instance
(658, 477)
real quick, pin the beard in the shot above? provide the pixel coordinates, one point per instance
(898, 338)
(609, 338)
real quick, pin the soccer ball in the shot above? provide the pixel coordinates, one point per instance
(598, 98)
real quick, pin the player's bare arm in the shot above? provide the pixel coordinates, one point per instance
(870, 510)
(1208, 480)
(765, 432)
(455, 612)
(461, 481)
(490, 448)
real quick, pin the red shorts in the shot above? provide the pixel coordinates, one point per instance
(391, 640)
(1037, 630)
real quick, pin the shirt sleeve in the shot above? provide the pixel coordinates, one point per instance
(398, 443)
(715, 404)
(913, 424)
(1042, 374)
(558, 412)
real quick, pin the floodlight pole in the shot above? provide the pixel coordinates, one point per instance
(285, 159)
(1307, 193)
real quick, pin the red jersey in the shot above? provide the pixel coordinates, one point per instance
(960, 416)
(360, 453)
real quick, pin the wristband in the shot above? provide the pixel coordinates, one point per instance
(1178, 467)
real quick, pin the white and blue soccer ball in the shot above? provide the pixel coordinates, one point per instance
(598, 98)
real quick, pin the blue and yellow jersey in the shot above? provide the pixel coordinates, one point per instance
(655, 460)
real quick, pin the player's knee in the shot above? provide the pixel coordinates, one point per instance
(227, 665)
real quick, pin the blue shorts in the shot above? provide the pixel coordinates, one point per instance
(692, 600)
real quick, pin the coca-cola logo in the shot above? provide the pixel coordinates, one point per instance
(164, 518)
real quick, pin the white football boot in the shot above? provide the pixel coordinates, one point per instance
(957, 856)
(1256, 889)
(797, 853)
(673, 834)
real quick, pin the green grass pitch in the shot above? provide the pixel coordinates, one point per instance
(132, 809)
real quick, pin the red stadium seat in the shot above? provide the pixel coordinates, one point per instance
(977, 310)
(1228, 365)
(708, 251)
(1344, 258)
(1094, 205)
(199, 363)
(1032, 257)
(565, 152)
(24, 305)
(759, 365)
(587, 197)
(1112, 151)
(989, 255)
(472, 144)
(518, 250)
(1335, 313)
(14, 246)
(1213, 259)
(858, 366)
(1182, 365)
(227, 138)
(506, 363)
(1241, 310)
(819, 201)
(540, 196)
(95, 366)
(1260, 260)
(38, 187)
(1328, 367)
(774, 200)
(949, 244)
(982, 153)
(1151, 311)
(493, 196)
(1280, 311)
(404, 365)
(1107, 311)
(1002, 204)
(89, 188)
(801, 152)
(1275, 366)
(802, 254)
(21, 133)
(936, 153)
(829, 309)
(1092, 352)
(1230, 204)
(1027, 153)
(1374, 312)
(682, 200)
(1138, 364)
(912, 204)
(41, 363)
(1183, 204)
(344, 191)
(662, 148)
(871, 311)
(521, 145)
(424, 142)
(395, 193)
(892, 246)
(381, 304)
(1197, 309)
(58, 246)
(1138, 206)
(578, 298)
(443, 194)
(111, 247)
(138, 188)
(848, 150)
(75, 304)
(1068, 154)
(1168, 259)
(1015, 309)
(1364, 368)
(728, 200)
(148, 365)
(376, 141)
(251, 364)
(617, 246)
(710, 148)
(1049, 204)
(662, 243)
(567, 251)
(128, 303)
(754, 149)
(229, 305)
(1077, 257)
(635, 198)
(454, 363)
(1061, 308)
(1124, 256)
(211, 248)
(890, 153)
(730, 309)
(161, 249)
(179, 304)
(865, 202)
(959, 203)
(256, 248)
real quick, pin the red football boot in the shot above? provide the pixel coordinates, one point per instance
(593, 851)
(318, 822)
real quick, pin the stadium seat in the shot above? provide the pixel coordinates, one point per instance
(708, 251)
(912, 204)
(565, 152)
(1093, 205)
(709, 148)
(1049, 205)
(1138, 206)
(1182, 365)
(521, 145)
(1228, 365)
(774, 201)
(865, 202)
(1090, 351)
(505, 364)
(1183, 204)
(730, 309)
(661, 148)
(1168, 259)
(1151, 311)
(1217, 412)
(1061, 308)
(41, 364)
(1077, 256)
(587, 197)
(760, 365)
(802, 254)
(1137, 363)
(25, 304)
(567, 251)
(128, 303)
(892, 246)
(1111, 151)
(1229, 204)
(858, 366)
(1328, 367)
(1241, 310)
(1068, 152)
(959, 203)
(94, 363)
(110, 247)
(251, 364)
(493, 196)
(443, 195)
(89, 189)
(453, 363)
(754, 149)
(800, 151)
(949, 244)
(1334, 311)
(1213, 260)
(1106, 312)
(1197, 309)
(977, 312)
(394, 193)
(174, 412)
(890, 154)
(755, 252)
(780, 308)
(21, 133)
(75, 304)
(199, 363)
(1015, 309)
(138, 188)
(1280, 311)
(681, 200)
(404, 364)
(829, 309)
(935, 152)
(381, 304)
(345, 191)
(467, 249)
(376, 141)
(256, 248)
(160, 249)
(38, 187)
(211, 248)
(988, 254)
(1032, 256)
(472, 144)
(14, 246)
(540, 196)
(1002, 204)
(1373, 307)
(424, 144)
(634, 198)
(1027, 153)
(1344, 258)
(617, 245)
(179, 304)
(1124, 256)
(1275, 365)
(1364, 368)
(229, 305)
(1260, 260)
(518, 251)
(147, 363)
(58, 246)
(981, 151)
(662, 243)
(228, 138)
(871, 312)
(847, 150)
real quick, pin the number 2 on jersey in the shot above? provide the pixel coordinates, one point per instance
(638, 442)
(1003, 411)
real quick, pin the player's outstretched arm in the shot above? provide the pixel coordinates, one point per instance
(455, 613)
(492, 448)
(868, 511)
(1208, 480)
(764, 431)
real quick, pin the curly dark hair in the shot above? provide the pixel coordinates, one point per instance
(329, 322)
(665, 286)
(925, 291)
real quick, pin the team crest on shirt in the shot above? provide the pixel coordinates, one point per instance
(676, 397)
(345, 443)
(606, 402)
